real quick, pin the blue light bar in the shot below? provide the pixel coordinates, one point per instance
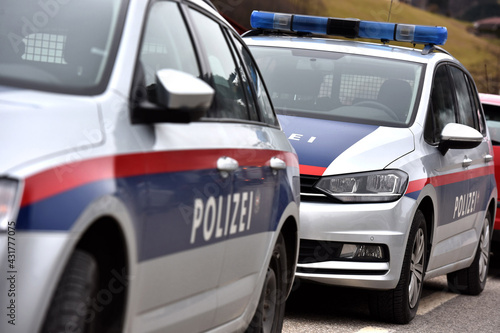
(350, 28)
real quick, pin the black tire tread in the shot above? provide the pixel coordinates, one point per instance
(279, 258)
(467, 281)
(77, 284)
(391, 305)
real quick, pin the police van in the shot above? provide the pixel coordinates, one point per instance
(396, 164)
(145, 183)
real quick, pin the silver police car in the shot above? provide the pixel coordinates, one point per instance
(145, 183)
(396, 164)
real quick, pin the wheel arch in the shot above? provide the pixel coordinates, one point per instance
(290, 233)
(426, 206)
(105, 240)
(492, 209)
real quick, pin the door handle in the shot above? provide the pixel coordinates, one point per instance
(488, 158)
(227, 164)
(466, 162)
(277, 164)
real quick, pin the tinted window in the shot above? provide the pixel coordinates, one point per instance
(492, 113)
(266, 108)
(166, 44)
(245, 81)
(476, 105)
(465, 106)
(230, 100)
(442, 105)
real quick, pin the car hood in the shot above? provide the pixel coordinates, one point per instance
(327, 147)
(37, 124)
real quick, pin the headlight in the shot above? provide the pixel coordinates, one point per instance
(376, 186)
(8, 192)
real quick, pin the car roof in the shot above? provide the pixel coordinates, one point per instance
(489, 98)
(347, 46)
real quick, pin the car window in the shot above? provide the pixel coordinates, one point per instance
(340, 86)
(263, 100)
(245, 82)
(477, 106)
(442, 106)
(465, 107)
(492, 114)
(164, 46)
(230, 100)
(68, 48)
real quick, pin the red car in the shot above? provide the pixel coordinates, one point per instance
(491, 107)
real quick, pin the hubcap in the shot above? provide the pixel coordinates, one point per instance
(416, 268)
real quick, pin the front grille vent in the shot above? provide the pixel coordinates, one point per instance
(307, 182)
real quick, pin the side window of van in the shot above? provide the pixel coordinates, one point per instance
(466, 111)
(441, 107)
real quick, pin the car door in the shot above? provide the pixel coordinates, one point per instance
(212, 186)
(250, 127)
(189, 179)
(492, 112)
(478, 161)
(457, 205)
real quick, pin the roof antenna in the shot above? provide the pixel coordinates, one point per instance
(390, 9)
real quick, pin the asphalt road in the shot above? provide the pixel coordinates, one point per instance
(323, 309)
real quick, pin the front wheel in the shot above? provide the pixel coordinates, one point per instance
(70, 310)
(472, 280)
(270, 311)
(400, 305)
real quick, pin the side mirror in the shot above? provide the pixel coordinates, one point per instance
(458, 136)
(180, 98)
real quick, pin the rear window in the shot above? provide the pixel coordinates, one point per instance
(338, 86)
(60, 46)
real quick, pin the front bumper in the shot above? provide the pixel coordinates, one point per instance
(330, 224)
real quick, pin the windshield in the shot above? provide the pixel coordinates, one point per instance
(56, 45)
(338, 86)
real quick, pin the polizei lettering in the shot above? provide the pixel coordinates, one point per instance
(222, 216)
(300, 137)
(465, 204)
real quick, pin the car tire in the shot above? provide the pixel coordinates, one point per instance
(472, 280)
(400, 305)
(268, 317)
(70, 309)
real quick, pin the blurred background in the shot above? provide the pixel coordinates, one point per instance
(473, 25)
